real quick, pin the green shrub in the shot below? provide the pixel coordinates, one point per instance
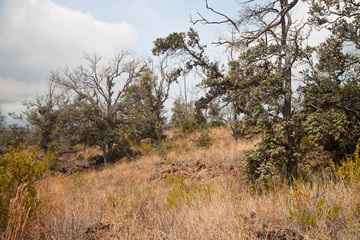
(163, 148)
(204, 140)
(16, 170)
(188, 125)
(256, 167)
(179, 194)
(349, 171)
(96, 161)
(309, 210)
(51, 156)
(120, 150)
(146, 147)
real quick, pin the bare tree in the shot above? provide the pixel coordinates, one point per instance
(100, 87)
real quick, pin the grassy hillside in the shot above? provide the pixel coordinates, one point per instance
(196, 191)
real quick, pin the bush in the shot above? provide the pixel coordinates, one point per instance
(146, 147)
(204, 140)
(16, 170)
(51, 156)
(349, 171)
(310, 210)
(96, 161)
(188, 125)
(122, 149)
(256, 167)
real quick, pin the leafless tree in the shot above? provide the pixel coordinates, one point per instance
(100, 85)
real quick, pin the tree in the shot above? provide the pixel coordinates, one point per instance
(146, 98)
(340, 17)
(187, 116)
(273, 44)
(2, 132)
(100, 87)
(331, 94)
(43, 116)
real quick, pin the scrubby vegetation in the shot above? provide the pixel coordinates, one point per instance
(253, 158)
(199, 194)
(19, 173)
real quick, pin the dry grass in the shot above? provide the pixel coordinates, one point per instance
(136, 201)
(18, 214)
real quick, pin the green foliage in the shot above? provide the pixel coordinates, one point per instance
(52, 159)
(187, 117)
(215, 114)
(204, 140)
(187, 44)
(331, 98)
(51, 156)
(120, 150)
(188, 125)
(339, 16)
(273, 155)
(95, 161)
(256, 167)
(14, 136)
(349, 171)
(179, 194)
(309, 211)
(146, 147)
(45, 115)
(18, 169)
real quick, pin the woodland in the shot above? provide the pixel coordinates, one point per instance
(270, 150)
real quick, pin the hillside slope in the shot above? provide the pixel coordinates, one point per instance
(192, 192)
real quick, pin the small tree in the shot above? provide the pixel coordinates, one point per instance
(146, 98)
(187, 116)
(3, 143)
(43, 114)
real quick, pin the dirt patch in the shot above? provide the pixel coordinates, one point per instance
(71, 162)
(198, 171)
(99, 231)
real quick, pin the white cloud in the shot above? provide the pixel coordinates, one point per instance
(38, 36)
(11, 89)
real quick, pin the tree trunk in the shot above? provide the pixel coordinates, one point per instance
(291, 171)
(105, 154)
(235, 126)
(291, 166)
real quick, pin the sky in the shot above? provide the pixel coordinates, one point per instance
(38, 36)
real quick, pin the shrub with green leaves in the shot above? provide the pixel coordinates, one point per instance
(18, 169)
(204, 140)
(179, 194)
(349, 171)
(310, 210)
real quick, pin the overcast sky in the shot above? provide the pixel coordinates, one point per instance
(37, 36)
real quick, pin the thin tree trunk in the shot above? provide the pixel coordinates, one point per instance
(105, 154)
(235, 125)
(292, 164)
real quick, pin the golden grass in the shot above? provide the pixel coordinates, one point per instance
(135, 201)
(18, 214)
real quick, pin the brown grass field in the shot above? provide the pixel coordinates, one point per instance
(193, 193)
